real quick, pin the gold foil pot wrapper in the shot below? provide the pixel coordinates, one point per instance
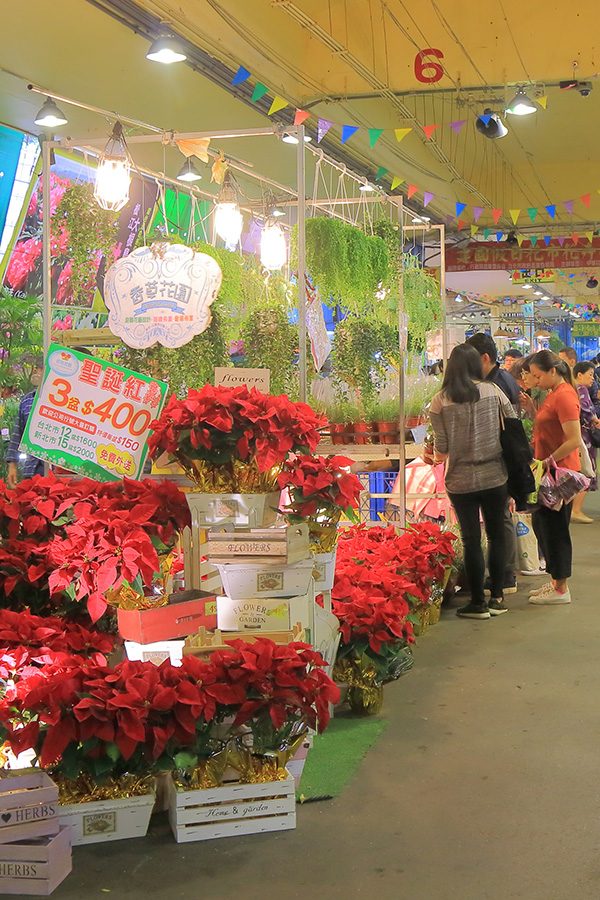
(365, 690)
(237, 477)
(323, 534)
(207, 774)
(85, 789)
(254, 769)
(127, 597)
(366, 701)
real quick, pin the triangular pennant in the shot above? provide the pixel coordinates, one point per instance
(551, 210)
(323, 127)
(477, 211)
(496, 214)
(458, 126)
(532, 213)
(586, 199)
(401, 133)
(259, 92)
(277, 105)
(411, 191)
(396, 182)
(533, 240)
(547, 240)
(374, 135)
(460, 224)
(240, 76)
(561, 240)
(381, 171)
(568, 205)
(486, 233)
(460, 208)
(575, 237)
(486, 118)
(428, 130)
(514, 214)
(301, 117)
(543, 102)
(474, 230)
(427, 198)
(520, 239)
(348, 131)
(499, 236)
(590, 236)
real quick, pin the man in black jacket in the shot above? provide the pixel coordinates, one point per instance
(488, 351)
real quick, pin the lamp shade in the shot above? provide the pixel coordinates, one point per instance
(273, 249)
(521, 104)
(166, 49)
(50, 115)
(113, 175)
(188, 171)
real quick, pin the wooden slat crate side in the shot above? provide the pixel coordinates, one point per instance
(35, 868)
(254, 808)
(108, 820)
(233, 792)
(207, 832)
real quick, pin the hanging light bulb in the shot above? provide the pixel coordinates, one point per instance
(273, 249)
(491, 125)
(228, 217)
(521, 104)
(188, 171)
(166, 49)
(50, 115)
(113, 175)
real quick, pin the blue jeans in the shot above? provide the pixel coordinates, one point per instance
(492, 505)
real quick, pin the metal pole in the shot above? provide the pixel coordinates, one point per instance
(442, 229)
(403, 346)
(301, 219)
(46, 260)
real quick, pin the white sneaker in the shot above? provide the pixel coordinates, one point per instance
(535, 573)
(551, 598)
(542, 590)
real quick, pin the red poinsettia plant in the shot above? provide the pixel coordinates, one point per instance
(219, 425)
(320, 487)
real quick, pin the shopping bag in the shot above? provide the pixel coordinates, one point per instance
(527, 545)
(537, 467)
(559, 485)
(586, 463)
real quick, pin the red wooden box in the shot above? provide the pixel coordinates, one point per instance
(184, 615)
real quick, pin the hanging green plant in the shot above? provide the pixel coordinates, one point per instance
(81, 231)
(422, 302)
(271, 342)
(363, 350)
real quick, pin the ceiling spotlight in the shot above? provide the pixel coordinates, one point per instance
(290, 138)
(166, 49)
(188, 171)
(592, 283)
(229, 221)
(490, 125)
(419, 220)
(521, 104)
(539, 293)
(367, 187)
(458, 299)
(526, 287)
(50, 115)
(276, 212)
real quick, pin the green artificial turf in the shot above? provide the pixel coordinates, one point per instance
(336, 755)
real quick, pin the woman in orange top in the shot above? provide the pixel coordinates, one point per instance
(556, 433)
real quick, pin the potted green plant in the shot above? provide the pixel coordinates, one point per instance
(418, 395)
(340, 416)
(385, 418)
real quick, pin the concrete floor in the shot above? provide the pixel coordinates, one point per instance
(485, 785)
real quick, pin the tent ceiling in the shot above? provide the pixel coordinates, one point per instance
(313, 50)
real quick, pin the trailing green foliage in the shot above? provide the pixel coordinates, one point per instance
(585, 329)
(363, 350)
(422, 301)
(20, 340)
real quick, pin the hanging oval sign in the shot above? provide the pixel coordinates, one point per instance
(161, 295)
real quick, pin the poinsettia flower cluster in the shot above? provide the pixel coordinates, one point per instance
(319, 486)
(51, 633)
(138, 717)
(221, 424)
(86, 536)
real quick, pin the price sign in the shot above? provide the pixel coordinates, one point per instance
(533, 276)
(91, 416)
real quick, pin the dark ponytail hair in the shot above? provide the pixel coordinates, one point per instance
(462, 370)
(546, 360)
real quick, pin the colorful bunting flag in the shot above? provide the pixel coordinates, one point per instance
(547, 240)
(458, 126)
(401, 133)
(585, 199)
(499, 236)
(514, 214)
(520, 239)
(301, 117)
(323, 127)
(428, 130)
(277, 105)
(496, 214)
(240, 76)
(427, 198)
(259, 92)
(374, 135)
(590, 236)
(543, 102)
(460, 224)
(486, 233)
(381, 171)
(533, 240)
(532, 213)
(568, 204)
(474, 230)
(575, 237)
(396, 182)
(411, 191)
(561, 240)
(460, 208)
(348, 131)
(477, 211)
(551, 210)
(486, 118)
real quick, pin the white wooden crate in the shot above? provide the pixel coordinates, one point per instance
(285, 545)
(231, 810)
(324, 571)
(35, 867)
(262, 614)
(28, 806)
(250, 510)
(247, 581)
(108, 820)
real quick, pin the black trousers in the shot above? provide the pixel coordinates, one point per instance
(552, 531)
(492, 505)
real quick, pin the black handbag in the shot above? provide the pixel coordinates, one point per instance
(517, 455)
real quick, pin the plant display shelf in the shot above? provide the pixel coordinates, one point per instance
(365, 452)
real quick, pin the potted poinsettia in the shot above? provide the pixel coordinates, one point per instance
(320, 489)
